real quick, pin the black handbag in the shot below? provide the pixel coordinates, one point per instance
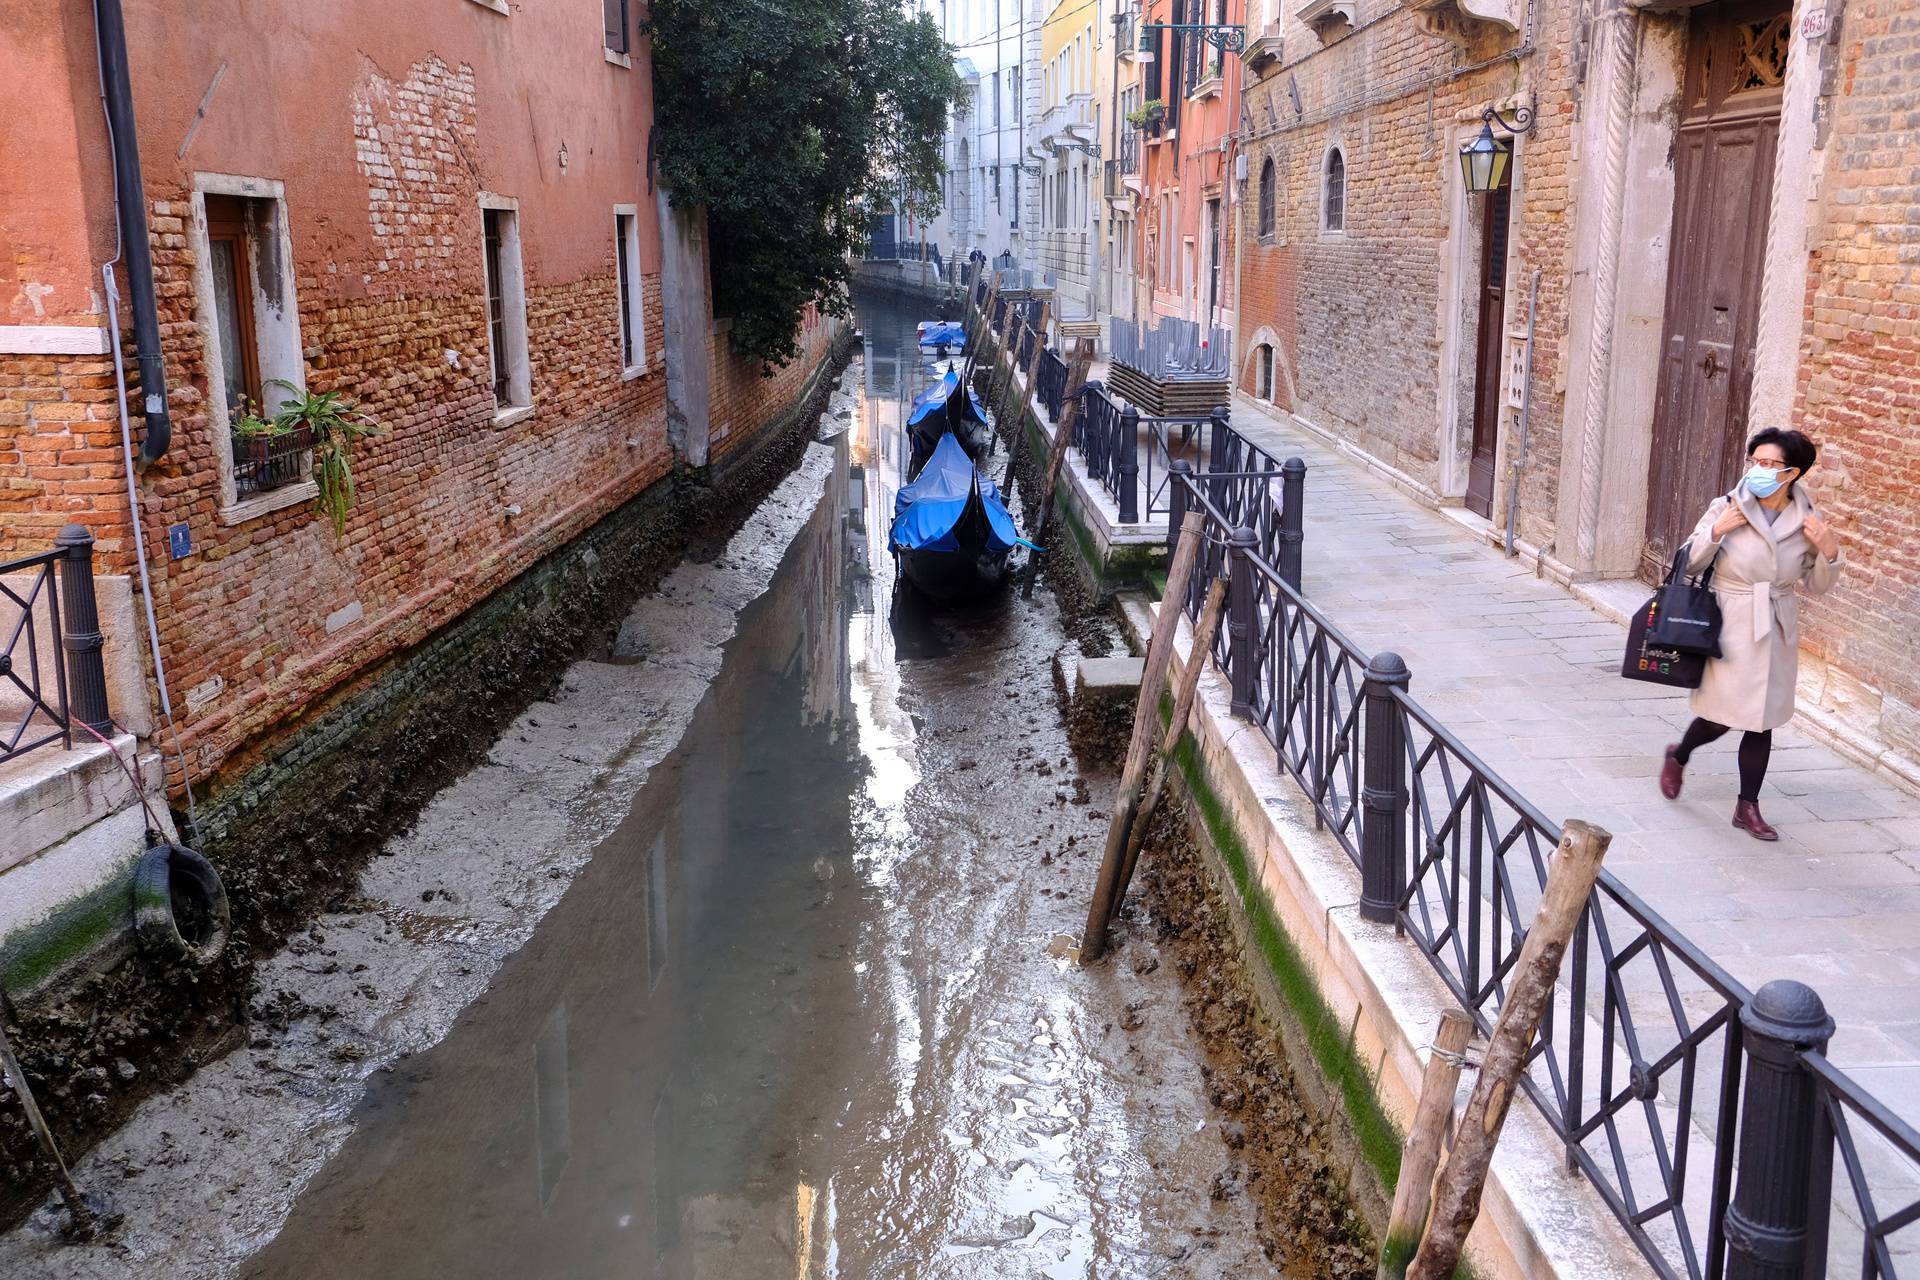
(1655, 663)
(1688, 617)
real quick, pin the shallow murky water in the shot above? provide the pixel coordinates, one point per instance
(805, 1012)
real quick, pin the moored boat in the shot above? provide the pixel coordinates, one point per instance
(952, 533)
(946, 408)
(942, 333)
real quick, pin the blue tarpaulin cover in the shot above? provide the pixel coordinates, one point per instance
(935, 396)
(951, 332)
(925, 512)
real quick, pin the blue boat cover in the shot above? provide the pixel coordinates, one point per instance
(935, 397)
(926, 511)
(951, 332)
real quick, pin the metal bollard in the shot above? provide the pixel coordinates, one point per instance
(1293, 488)
(1129, 469)
(1383, 792)
(80, 638)
(1178, 472)
(1783, 1171)
(1241, 616)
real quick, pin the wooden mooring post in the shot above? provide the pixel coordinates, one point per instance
(1203, 634)
(1146, 715)
(80, 1220)
(1062, 436)
(1456, 1199)
(1019, 427)
(1413, 1194)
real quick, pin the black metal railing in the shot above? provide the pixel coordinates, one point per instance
(1704, 1114)
(52, 673)
(1205, 443)
(266, 461)
(1050, 381)
(1108, 437)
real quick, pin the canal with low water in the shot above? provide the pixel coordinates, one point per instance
(804, 1012)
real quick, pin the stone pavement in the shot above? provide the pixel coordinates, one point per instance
(1528, 677)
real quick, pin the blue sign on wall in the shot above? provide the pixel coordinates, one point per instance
(179, 540)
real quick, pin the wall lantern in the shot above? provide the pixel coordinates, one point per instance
(1483, 162)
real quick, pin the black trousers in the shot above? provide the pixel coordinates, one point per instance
(1755, 750)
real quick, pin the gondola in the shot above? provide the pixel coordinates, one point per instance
(950, 334)
(952, 533)
(946, 408)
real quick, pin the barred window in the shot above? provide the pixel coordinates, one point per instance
(1334, 208)
(1266, 199)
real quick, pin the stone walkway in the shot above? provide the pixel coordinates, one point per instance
(1528, 677)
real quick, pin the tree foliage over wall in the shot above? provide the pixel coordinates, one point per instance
(790, 121)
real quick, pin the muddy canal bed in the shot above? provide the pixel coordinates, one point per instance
(744, 957)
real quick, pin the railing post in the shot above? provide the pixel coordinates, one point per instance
(1241, 617)
(1178, 472)
(80, 638)
(1779, 1165)
(1217, 441)
(1383, 791)
(1293, 488)
(1129, 469)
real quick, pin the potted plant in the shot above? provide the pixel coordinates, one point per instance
(332, 424)
(1149, 115)
(266, 453)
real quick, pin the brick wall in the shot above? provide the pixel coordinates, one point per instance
(60, 454)
(1357, 313)
(743, 398)
(1859, 390)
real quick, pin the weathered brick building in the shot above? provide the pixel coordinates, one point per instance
(1717, 204)
(443, 211)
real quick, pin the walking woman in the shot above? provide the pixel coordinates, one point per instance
(1763, 539)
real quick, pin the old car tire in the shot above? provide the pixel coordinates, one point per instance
(179, 905)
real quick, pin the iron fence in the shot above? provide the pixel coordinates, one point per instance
(1108, 437)
(1050, 381)
(1705, 1115)
(52, 674)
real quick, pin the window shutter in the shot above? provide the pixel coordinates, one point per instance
(616, 16)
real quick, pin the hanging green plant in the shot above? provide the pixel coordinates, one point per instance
(335, 424)
(1152, 111)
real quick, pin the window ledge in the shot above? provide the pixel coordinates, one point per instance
(1211, 87)
(640, 370)
(619, 59)
(266, 503)
(512, 415)
(498, 6)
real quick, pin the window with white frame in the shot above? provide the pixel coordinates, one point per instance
(250, 320)
(633, 320)
(512, 372)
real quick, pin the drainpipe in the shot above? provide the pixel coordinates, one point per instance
(130, 202)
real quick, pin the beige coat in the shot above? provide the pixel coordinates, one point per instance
(1755, 570)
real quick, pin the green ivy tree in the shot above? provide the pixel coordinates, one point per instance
(790, 121)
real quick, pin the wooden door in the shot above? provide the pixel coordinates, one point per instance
(1488, 352)
(1723, 184)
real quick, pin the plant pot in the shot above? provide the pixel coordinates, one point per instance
(265, 462)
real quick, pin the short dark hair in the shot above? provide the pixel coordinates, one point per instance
(1794, 446)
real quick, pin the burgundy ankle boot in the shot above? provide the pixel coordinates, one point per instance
(1746, 816)
(1672, 774)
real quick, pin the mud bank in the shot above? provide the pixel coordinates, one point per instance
(290, 830)
(1285, 1159)
(204, 1174)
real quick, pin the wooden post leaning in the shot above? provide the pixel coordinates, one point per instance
(1019, 428)
(1413, 1194)
(1456, 1200)
(1163, 763)
(1062, 436)
(1146, 715)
